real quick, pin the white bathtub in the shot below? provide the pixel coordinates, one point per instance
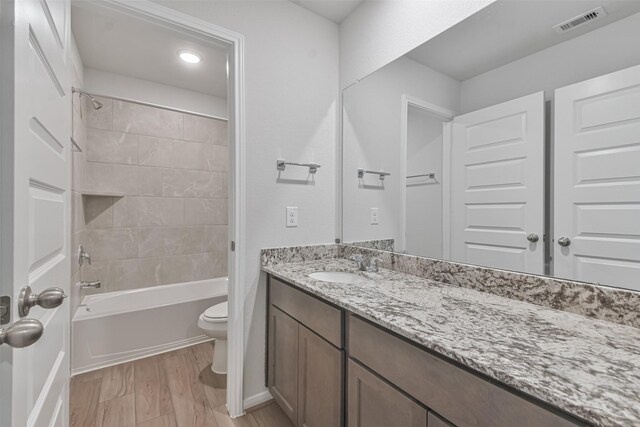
(116, 327)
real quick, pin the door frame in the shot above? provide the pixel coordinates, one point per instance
(447, 116)
(189, 25)
(6, 191)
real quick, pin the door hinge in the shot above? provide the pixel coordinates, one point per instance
(5, 309)
(233, 246)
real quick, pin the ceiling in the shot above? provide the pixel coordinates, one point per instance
(509, 30)
(333, 10)
(116, 43)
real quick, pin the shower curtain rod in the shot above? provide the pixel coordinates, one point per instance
(150, 104)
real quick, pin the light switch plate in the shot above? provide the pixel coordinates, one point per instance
(374, 216)
(292, 217)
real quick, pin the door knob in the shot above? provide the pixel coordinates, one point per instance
(22, 333)
(49, 298)
(533, 237)
(564, 241)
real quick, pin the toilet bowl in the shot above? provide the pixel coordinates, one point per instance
(213, 322)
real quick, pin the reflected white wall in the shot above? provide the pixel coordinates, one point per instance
(372, 130)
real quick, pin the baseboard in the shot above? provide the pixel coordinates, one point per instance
(252, 403)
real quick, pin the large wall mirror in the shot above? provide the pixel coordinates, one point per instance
(512, 141)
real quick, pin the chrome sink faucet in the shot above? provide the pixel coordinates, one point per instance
(371, 266)
(360, 262)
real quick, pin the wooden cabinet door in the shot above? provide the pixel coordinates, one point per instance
(374, 403)
(319, 381)
(434, 420)
(283, 361)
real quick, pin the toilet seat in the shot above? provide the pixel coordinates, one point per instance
(217, 313)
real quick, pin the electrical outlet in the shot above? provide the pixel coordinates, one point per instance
(292, 217)
(374, 216)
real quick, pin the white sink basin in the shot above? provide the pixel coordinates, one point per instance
(337, 277)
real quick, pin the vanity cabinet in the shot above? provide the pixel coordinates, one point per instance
(305, 357)
(316, 350)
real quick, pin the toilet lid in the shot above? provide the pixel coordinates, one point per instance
(218, 311)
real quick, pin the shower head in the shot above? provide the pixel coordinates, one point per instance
(96, 104)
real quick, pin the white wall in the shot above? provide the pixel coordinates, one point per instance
(104, 83)
(372, 128)
(424, 195)
(291, 76)
(607, 49)
(378, 32)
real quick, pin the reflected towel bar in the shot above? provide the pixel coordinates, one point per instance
(382, 174)
(431, 175)
(313, 167)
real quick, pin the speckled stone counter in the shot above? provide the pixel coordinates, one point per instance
(587, 367)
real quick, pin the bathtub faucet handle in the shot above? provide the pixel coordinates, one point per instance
(90, 285)
(83, 256)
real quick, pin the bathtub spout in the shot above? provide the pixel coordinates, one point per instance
(90, 285)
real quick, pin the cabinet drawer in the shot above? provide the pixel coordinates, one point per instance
(316, 315)
(458, 395)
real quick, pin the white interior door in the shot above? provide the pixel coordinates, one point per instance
(497, 185)
(597, 180)
(35, 207)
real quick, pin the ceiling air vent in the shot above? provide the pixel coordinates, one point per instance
(580, 20)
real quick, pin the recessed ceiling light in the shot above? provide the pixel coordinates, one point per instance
(189, 56)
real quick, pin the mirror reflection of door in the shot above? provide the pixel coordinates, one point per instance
(597, 180)
(497, 186)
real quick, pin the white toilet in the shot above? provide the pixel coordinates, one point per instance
(213, 322)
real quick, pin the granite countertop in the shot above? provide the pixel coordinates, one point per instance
(587, 367)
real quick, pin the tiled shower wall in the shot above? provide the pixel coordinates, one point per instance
(155, 203)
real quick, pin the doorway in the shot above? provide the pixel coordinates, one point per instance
(36, 394)
(425, 143)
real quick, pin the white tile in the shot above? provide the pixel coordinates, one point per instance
(206, 211)
(191, 267)
(112, 147)
(145, 120)
(216, 158)
(171, 153)
(98, 119)
(124, 274)
(203, 129)
(163, 241)
(148, 211)
(188, 183)
(126, 179)
(111, 244)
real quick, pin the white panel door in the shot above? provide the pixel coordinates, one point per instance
(597, 180)
(35, 209)
(497, 185)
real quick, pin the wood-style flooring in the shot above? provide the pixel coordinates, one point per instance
(175, 389)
